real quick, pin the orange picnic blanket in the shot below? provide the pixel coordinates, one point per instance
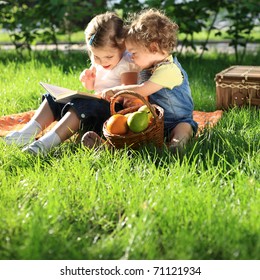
(17, 121)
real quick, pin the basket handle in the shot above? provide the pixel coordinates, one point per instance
(124, 93)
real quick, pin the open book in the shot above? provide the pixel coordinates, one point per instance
(64, 95)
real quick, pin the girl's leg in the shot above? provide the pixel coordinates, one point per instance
(42, 118)
(93, 114)
(180, 135)
(44, 115)
(63, 130)
(67, 126)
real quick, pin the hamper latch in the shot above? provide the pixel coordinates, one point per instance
(239, 98)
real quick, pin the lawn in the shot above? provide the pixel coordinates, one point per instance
(85, 204)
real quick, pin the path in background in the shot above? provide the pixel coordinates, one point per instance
(221, 47)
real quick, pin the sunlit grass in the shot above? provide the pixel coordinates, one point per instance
(84, 204)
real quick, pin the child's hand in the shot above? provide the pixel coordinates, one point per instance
(88, 74)
(87, 78)
(107, 94)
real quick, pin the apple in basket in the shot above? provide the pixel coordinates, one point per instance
(138, 121)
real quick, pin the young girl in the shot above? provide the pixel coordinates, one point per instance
(111, 66)
(151, 38)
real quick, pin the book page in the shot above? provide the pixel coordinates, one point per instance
(64, 95)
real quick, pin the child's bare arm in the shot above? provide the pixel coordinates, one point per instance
(145, 89)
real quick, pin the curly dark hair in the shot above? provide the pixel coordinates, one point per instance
(153, 26)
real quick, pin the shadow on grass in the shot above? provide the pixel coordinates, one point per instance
(207, 67)
(67, 61)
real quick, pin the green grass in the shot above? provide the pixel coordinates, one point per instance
(79, 204)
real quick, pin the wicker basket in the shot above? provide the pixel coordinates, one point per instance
(154, 134)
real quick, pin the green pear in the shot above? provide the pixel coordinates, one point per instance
(138, 121)
(145, 108)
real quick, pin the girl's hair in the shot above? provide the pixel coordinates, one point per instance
(153, 26)
(105, 30)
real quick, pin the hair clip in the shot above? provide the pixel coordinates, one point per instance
(92, 39)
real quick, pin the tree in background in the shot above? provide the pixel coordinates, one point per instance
(239, 17)
(242, 17)
(43, 20)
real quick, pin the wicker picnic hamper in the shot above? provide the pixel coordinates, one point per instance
(154, 134)
(238, 86)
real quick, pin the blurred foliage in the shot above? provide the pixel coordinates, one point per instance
(29, 20)
(44, 19)
(242, 14)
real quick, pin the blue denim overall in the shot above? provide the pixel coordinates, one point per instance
(177, 102)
